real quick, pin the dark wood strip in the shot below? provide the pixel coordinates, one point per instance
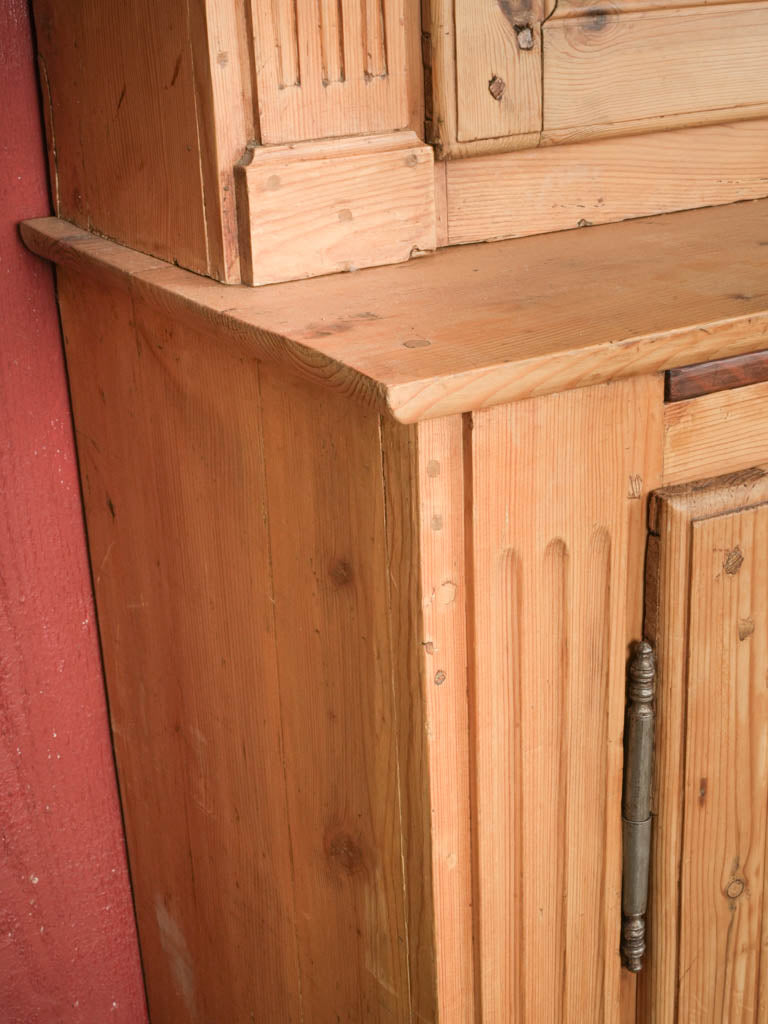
(718, 375)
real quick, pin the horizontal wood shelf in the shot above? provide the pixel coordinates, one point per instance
(474, 326)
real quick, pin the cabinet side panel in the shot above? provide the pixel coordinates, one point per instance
(170, 447)
(260, 660)
(326, 508)
(557, 485)
(118, 83)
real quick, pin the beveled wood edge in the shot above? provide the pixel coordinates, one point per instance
(433, 396)
(703, 499)
(75, 249)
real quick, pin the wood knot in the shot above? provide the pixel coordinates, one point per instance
(496, 87)
(439, 677)
(341, 573)
(746, 628)
(344, 852)
(596, 20)
(735, 888)
(733, 561)
(524, 34)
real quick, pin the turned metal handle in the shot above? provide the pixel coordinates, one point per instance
(636, 805)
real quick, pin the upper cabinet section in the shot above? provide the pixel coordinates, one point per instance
(261, 141)
(512, 74)
(326, 68)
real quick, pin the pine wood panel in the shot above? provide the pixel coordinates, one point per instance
(180, 559)
(573, 8)
(726, 771)
(321, 207)
(551, 620)
(263, 682)
(717, 433)
(556, 188)
(709, 799)
(471, 327)
(330, 68)
(498, 70)
(141, 150)
(444, 576)
(324, 488)
(649, 65)
(483, 86)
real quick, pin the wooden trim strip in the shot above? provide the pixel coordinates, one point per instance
(716, 375)
(555, 188)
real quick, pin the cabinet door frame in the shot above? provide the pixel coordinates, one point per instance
(672, 598)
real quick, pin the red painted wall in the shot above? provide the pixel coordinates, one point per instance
(68, 949)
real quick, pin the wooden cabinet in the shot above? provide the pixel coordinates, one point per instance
(368, 506)
(369, 556)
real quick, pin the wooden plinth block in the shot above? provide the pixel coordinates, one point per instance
(323, 207)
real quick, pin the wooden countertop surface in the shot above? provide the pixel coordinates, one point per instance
(472, 326)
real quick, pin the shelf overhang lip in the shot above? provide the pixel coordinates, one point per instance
(364, 333)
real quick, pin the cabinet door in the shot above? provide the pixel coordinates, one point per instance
(707, 613)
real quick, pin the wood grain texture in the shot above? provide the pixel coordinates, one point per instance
(551, 629)
(488, 48)
(444, 578)
(139, 149)
(319, 208)
(709, 800)
(334, 658)
(472, 327)
(226, 120)
(400, 469)
(257, 674)
(330, 68)
(717, 433)
(717, 375)
(557, 188)
(726, 772)
(607, 68)
(468, 46)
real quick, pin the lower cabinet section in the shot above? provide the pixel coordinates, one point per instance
(367, 684)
